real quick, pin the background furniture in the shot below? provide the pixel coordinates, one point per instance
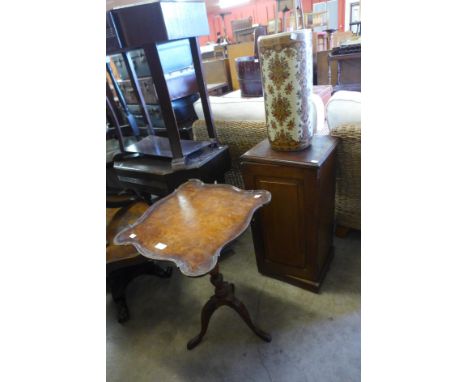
(209, 52)
(319, 42)
(218, 88)
(220, 51)
(124, 263)
(343, 72)
(162, 163)
(325, 69)
(348, 75)
(344, 121)
(317, 20)
(338, 37)
(234, 51)
(355, 17)
(293, 234)
(355, 27)
(248, 34)
(331, 14)
(271, 26)
(176, 61)
(248, 69)
(217, 75)
(242, 29)
(190, 227)
(155, 176)
(249, 76)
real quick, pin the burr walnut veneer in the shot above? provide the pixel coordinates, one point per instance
(190, 227)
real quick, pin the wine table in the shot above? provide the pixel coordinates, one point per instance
(190, 227)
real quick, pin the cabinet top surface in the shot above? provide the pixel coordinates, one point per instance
(313, 156)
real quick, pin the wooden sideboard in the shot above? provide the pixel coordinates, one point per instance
(293, 234)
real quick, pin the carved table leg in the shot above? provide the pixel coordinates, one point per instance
(224, 295)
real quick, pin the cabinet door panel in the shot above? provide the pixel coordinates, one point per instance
(284, 239)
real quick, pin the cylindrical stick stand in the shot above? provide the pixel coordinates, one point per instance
(286, 65)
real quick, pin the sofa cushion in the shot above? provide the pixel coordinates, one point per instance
(343, 107)
(232, 107)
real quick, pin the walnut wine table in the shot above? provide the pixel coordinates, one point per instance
(190, 227)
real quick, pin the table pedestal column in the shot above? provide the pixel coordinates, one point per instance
(224, 295)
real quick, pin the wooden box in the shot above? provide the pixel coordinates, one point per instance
(293, 234)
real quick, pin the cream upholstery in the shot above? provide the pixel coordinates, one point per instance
(231, 107)
(343, 107)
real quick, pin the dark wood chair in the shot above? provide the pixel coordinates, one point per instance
(124, 263)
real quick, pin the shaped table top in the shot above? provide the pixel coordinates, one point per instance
(192, 225)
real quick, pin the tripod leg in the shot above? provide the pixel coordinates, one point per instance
(240, 308)
(206, 314)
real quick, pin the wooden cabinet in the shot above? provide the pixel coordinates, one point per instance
(293, 234)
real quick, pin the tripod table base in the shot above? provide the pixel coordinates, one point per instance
(224, 295)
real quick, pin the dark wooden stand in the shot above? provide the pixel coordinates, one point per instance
(224, 295)
(144, 26)
(293, 234)
(155, 176)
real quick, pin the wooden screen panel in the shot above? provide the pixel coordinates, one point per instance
(322, 69)
(234, 51)
(284, 240)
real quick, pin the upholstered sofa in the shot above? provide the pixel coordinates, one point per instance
(240, 124)
(343, 113)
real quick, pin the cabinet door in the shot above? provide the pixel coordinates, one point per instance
(282, 233)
